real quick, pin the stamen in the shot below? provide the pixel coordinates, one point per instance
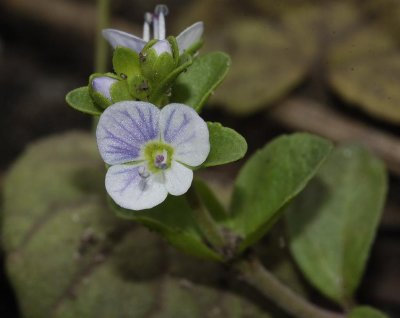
(155, 27)
(146, 26)
(143, 173)
(160, 12)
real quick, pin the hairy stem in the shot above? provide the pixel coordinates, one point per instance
(103, 18)
(205, 221)
(256, 275)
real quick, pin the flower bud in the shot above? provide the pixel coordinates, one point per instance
(157, 61)
(100, 89)
(102, 85)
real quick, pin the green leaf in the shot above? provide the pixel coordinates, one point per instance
(270, 179)
(366, 312)
(68, 255)
(226, 145)
(79, 99)
(195, 86)
(126, 62)
(332, 224)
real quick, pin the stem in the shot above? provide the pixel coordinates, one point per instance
(101, 53)
(205, 221)
(254, 273)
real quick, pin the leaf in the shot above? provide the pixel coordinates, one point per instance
(67, 254)
(366, 312)
(365, 69)
(270, 179)
(332, 223)
(226, 145)
(80, 100)
(265, 65)
(195, 86)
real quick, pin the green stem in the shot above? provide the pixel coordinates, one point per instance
(255, 274)
(101, 53)
(205, 221)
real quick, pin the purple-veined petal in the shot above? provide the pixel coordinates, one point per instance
(178, 178)
(102, 85)
(124, 128)
(119, 38)
(187, 132)
(133, 188)
(189, 36)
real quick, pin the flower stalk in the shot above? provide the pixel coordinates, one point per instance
(206, 223)
(256, 275)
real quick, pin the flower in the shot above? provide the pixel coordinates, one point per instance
(150, 151)
(185, 39)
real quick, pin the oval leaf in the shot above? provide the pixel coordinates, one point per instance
(266, 64)
(79, 99)
(270, 179)
(226, 145)
(332, 224)
(200, 80)
(365, 70)
(68, 255)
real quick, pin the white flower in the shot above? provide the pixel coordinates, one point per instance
(150, 151)
(185, 39)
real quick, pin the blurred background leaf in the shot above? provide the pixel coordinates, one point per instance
(68, 255)
(366, 312)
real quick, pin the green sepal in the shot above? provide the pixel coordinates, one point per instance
(80, 99)
(156, 67)
(226, 145)
(139, 87)
(195, 86)
(175, 49)
(125, 62)
(161, 90)
(119, 91)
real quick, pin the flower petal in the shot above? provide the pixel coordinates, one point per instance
(187, 132)
(124, 128)
(133, 190)
(189, 36)
(178, 178)
(119, 38)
